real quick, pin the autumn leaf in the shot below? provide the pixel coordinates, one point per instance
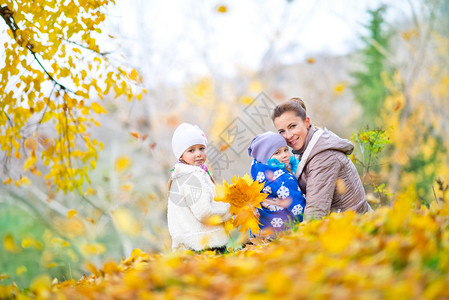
(25, 180)
(122, 163)
(339, 88)
(71, 213)
(20, 270)
(30, 143)
(134, 134)
(98, 108)
(30, 242)
(222, 9)
(244, 195)
(126, 222)
(8, 243)
(92, 248)
(223, 147)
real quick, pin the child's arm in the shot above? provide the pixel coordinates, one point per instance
(204, 205)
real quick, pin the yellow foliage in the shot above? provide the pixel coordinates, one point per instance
(30, 143)
(98, 108)
(244, 195)
(71, 213)
(41, 286)
(339, 88)
(345, 255)
(246, 100)
(72, 227)
(255, 86)
(60, 242)
(29, 162)
(122, 163)
(201, 93)
(8, 243)
(126, 222)
(30, 242)
(25, 181)
(92, 249)
(68, 61)
(20, 270)
(341, 227)
(222, 9)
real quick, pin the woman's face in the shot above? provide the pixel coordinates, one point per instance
(292, 128)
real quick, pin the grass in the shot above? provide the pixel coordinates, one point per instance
(28, 249)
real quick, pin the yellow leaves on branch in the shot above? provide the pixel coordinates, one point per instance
(59, 88)
(244, 195)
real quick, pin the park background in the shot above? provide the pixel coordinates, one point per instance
(373, 71)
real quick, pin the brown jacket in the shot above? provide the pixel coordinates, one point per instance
(329, 179)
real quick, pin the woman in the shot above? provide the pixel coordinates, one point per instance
(325, 174)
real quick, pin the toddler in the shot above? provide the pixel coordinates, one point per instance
(191, 195)
(274, 166)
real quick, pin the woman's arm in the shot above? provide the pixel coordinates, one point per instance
(322, 172)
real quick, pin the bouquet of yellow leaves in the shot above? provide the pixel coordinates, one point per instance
(244, 195)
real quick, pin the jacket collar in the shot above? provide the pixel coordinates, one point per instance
(182, 169)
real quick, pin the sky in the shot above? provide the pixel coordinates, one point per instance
(171, 41)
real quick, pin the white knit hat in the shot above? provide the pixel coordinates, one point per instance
(187, 135)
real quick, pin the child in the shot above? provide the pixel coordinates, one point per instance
(273, 165)
(191, 196)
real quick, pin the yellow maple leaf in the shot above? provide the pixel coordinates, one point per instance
(244, 195)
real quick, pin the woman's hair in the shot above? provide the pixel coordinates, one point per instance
(295, 105)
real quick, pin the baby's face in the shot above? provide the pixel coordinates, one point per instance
(195, 155)
(283, 155)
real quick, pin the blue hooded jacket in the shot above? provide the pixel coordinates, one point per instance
(279, 184)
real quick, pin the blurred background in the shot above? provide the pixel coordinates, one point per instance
(374, 71)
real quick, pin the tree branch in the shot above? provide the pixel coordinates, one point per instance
(7, 15)
(9, 119)
(85, 47)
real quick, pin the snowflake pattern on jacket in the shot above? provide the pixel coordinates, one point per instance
(279, 184)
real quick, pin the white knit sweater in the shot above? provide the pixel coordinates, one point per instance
(190, 203)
